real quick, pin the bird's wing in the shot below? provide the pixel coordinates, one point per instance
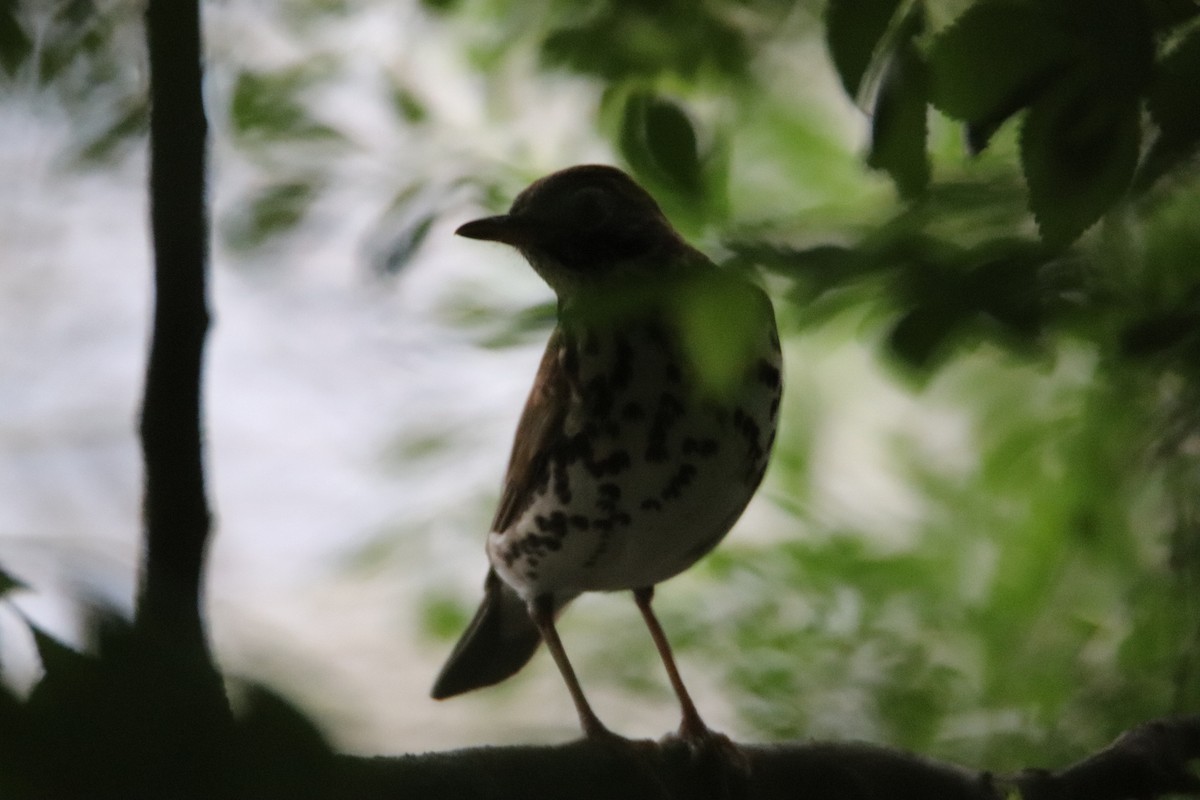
(502, 637)
(541, 424)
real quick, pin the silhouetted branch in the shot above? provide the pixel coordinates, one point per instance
(1147, 762)
(177, 519)
(178, 726)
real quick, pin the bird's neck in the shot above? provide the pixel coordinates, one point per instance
(623, 298)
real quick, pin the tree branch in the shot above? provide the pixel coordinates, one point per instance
(176, 513)
(175, 715)
(1147, 762)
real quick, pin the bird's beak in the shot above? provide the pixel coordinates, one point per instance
(504, 228)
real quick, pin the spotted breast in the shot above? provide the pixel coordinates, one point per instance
(648, 469)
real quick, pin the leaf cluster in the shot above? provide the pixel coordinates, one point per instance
(1083, 75)
(78, 52)
(122, 718)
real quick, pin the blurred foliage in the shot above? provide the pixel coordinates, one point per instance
(266, 107)
(89, 58)
(105, 722)
(1034, 612)
(1036, 264)
(273, 210)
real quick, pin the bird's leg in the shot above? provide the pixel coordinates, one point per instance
(692, 728)
(542, 612)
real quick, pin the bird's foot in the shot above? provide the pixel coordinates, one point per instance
(596, 731)
(643, 756)
(705, 743)
(714, 754)
(701, 739)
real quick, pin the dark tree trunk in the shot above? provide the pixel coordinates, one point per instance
(177, 519)
(182, 721)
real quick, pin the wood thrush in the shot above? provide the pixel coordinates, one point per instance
(647, 431)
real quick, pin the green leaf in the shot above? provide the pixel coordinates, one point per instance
(993, 61)
(1176, 91)
(1000, 56)
(267, 105)
(671, 142)
(441, 6)
(77, 32)
(268, 213)
(1166, 14)
(290, 755)
(528, 324)
(923, 334)
(586, 49)
(853, 30)
(399, 251)
(402, 229)
(1005, 286)
(8, 583)
(631, 135)
(15, 44)
(60, 662)
(443, 617)
(126, 120)
(719, 323)
(657, 139)
(1174, 99)
(407, 105)
(647, 40)
(1079, 149)
(1114, 42)
(1159, 333)
(898, 129)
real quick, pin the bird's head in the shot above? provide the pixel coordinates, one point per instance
(582, 225)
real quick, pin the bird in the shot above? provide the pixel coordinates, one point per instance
(648, 428)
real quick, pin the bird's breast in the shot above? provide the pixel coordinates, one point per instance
(649, 471)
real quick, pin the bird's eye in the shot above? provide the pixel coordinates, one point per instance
(589, 208)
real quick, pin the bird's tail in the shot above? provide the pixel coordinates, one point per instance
(499, 641)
